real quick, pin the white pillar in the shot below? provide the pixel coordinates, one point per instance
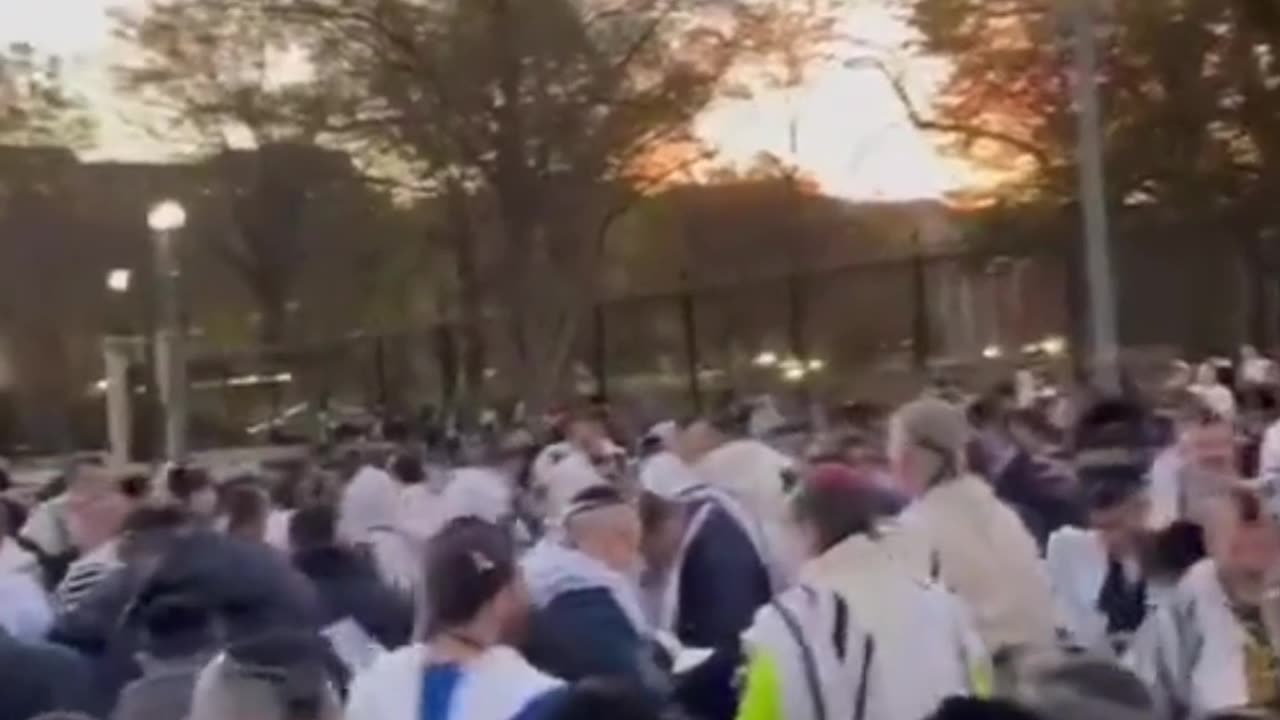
(116, 354)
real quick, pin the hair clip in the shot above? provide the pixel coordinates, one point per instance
(482, 563)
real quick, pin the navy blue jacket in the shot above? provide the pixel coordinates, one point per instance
(723, 581)
(585, 634)
(348, 587)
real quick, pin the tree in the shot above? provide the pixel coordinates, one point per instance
(1190, 93)
(236, 85)
(35, 106)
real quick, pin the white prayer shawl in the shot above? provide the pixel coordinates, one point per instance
(1191, 652)
(565, 480)
(551, 570)
(371, 518)
(904, 612)
(495, 686)
(752, 473)
(479, 493)
(667, 476)
(370, 501)
(983, 552)
(1168, 499)
(1078, 565)
(803, 633)
(24, 608)
(277, 535)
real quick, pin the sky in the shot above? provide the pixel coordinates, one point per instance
(853, 135)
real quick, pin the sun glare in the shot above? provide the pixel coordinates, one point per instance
(844, 127)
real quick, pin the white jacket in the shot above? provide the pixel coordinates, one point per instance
(926, 646)
(981, 550)
(1191, 652)
(1078, 565)
(495, 686)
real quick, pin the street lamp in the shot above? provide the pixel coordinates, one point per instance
(119, 280)
(167, 216)
(165, 219)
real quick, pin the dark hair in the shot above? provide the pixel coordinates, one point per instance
(837, 511)
(408, 469)
(604, 698)
(468, 563)
(136, 486)
(656, 511)
(184, 482)
(974, 709)
(245, 505)
(313, 527)
(152, 518)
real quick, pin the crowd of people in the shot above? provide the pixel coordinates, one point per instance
(1002, 555)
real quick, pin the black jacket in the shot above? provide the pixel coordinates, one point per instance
(40, 678)
(349, 587)
(723, 581)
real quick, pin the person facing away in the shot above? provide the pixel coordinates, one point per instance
(347, 584)
(1205, 464)
(588, 620)
(465, 667)
(279, 675)
(1210, 648)
(887, 643)
(368, 520)
(245, 509)
(958, 531)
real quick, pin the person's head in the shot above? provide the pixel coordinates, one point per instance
(246, 506)
(136, 487)
(601, 523)
(835, 503)
(595, 698)
(1118, 506)
(927, 443)
(473, 585)
(96, 508)
(313, 528)
(407, 468)
(586, 429)
(194, 489)
(279, 676)
(975, 709)
(1242, 538)
(149, 529)
(664, 521)
(1208, 443)
(1085, 687)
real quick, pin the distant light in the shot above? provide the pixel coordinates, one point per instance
(99, 387)
(490, 373)
(817, 365)
(1054, 345)
(993, 352)
(119, 280)
(1031, 349)
(167, 216)
(794, 374)
(766, 359)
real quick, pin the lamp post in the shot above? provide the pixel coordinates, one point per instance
(117, 352)
(1093, 197)
(165, 220)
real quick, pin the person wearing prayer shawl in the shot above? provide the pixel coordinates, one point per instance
(369, 520)
(1099, 581)
(754, 474)
(1209, 650)
(464, 667)
(587, 619)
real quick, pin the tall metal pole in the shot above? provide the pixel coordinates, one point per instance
(1093, 199)
(171, 359)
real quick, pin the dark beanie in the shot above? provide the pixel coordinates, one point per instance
(1111, 451)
